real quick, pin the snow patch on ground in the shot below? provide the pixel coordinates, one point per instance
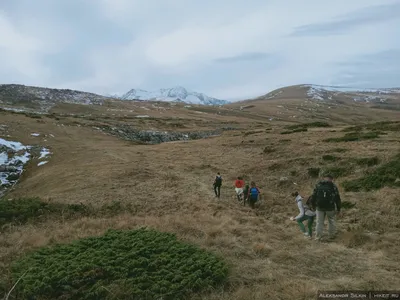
(13, 157)
(142, 116)
(44, 153)
(35, 134)
(42, 163)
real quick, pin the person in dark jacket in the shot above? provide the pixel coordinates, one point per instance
(326, 201)
(245, 194)
(217, 185)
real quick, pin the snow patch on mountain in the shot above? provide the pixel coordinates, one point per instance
(175, 94)
(321, 93)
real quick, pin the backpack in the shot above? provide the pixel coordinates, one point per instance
(325, 195)
(309, 204)
(218, 181)
(254, 193)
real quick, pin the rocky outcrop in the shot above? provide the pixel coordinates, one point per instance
(155, 137)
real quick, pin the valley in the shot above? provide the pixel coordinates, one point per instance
(128, 164)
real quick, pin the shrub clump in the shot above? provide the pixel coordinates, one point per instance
(22, 210)
(354, 136)
(268, 150)
(387, 174)
(136, 264)
(378, 126)
(367, 161)
(294, 131)
(313, 172)
(338, 171)
(308, 125)
(329, 157)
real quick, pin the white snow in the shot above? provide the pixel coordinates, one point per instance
(142, 116)
(3, 158)
(45, 152)
(13, 145)
(35, 134)
(42, 163)
(175, 94)
(11, 159)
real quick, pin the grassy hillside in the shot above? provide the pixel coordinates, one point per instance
(168, 187)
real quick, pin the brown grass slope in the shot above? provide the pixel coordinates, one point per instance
(170, 188)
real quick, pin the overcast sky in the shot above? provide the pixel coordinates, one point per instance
(229, 49)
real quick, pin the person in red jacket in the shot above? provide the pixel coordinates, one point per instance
(239, 184)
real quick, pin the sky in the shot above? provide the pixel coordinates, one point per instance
(228, 49)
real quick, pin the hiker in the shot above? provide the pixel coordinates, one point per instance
(253, 194)
(306, 213)
(239, 184)
(217, 185)
(245, 194)
(326, 200)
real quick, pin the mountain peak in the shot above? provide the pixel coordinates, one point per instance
(176, 93)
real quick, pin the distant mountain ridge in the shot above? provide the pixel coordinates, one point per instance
(173, 94)
(332, 93)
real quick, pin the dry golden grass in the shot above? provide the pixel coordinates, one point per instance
(170, 187)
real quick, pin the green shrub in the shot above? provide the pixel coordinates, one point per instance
(308, 125)
(268, 150)
(384, 175)
(367, 161)
(339, 150)
(22, 210)
(378, 126)
(294, 131)
(347, 204)
(338, 171)
(354, 136)
(313, 172)
(136, 264)
(330, 157)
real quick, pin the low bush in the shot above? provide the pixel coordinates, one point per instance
(268, 150)
(20, 211)
(378, 126)
(347, 204)
(354, 136)
(308, 125)
(136, 264)
(329, 157)
(387, 174)
(313, 172)
(339, 171)
(366, 161)
(339, 150)
(24, 210)
(295, 130)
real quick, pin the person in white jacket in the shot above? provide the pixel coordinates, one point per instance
(305, 214)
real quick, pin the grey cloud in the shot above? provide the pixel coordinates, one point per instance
(377, 70)
(373, 14)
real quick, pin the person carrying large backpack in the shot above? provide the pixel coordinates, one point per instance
(217, 185)
(326, 201)
(253, 194)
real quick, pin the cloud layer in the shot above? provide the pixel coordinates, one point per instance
(227, 49)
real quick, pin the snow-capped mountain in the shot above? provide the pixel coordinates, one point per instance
(173, 94)
(323, 93)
